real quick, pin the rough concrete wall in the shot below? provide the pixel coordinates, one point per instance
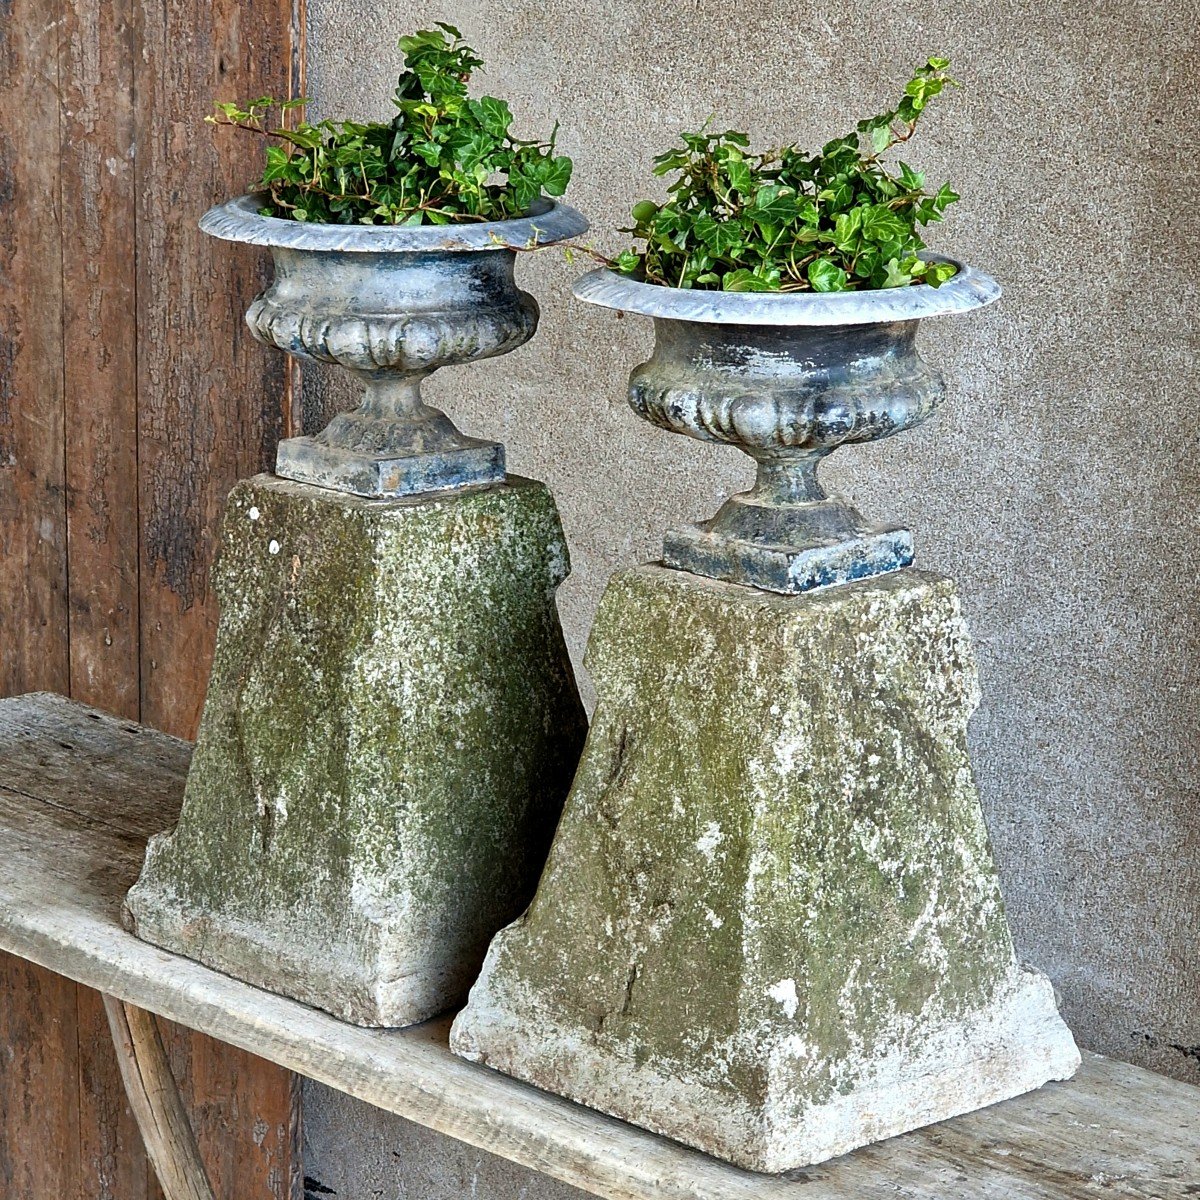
(1058, 485)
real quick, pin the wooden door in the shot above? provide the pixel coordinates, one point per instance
(131, 398)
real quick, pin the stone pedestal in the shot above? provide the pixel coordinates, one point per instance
(770, 926)
(390, 729)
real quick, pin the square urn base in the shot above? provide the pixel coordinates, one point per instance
(788, 569)
(305, 460)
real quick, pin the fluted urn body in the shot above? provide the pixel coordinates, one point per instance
(787, 379)
(391, 304)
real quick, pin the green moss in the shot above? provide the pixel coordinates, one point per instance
(390, 730)
(776, 794)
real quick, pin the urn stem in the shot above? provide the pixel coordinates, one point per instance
(392, 395)
(790, 480)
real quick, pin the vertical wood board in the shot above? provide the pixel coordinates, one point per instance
(33, 566)
(99, 350)
(212, 402)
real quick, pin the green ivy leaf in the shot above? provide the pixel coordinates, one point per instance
(740, 178)
(774, 202)
(881, 224)
(556, 175)
(894, 275)
(938, 273)
(628, 262)
(721, 237)
(826, 276)
(743, 280)
(493, 115)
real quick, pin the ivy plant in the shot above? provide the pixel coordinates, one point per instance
(787, 220)
(444, 157)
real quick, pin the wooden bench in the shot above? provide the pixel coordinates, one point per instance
(80, 792)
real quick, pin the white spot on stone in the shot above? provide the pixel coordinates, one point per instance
(254, 513)
(712, 918)
(794, 1046)
(677, 809)
(273, 547)
(709, 840)
(784, 994)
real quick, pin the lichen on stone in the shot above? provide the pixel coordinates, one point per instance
(390, 730)
(772, 874)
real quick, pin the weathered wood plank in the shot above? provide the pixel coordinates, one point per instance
(99, 765)
(33, 568)
(166, 1131)
(96, 68)
(1115, 1131)
(212, 402)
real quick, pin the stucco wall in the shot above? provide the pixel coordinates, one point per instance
(1059, 485)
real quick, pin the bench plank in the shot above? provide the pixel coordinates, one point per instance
(79, 792)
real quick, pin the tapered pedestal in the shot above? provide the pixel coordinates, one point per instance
(390, 729)
(770, 925)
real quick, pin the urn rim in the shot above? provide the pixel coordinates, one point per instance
(967, 289)
(239, 220)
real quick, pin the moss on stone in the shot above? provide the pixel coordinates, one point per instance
(773, 866)
(391, 727)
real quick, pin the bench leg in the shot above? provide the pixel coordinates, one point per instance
(154, 1098)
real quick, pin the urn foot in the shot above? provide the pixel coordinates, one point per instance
(823, 559)
(474, 464)
(769, 539)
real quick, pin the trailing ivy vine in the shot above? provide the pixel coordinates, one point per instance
(444, 157)
(787, 220)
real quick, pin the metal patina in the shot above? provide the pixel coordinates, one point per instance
(391, 304)
(787, 379)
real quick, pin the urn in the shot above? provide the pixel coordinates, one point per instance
(391, 304)
(787, 378)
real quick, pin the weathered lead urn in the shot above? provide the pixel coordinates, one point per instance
(787, 379)
(391, 304)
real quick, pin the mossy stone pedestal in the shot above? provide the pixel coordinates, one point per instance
(390, 730)
(770, 926)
